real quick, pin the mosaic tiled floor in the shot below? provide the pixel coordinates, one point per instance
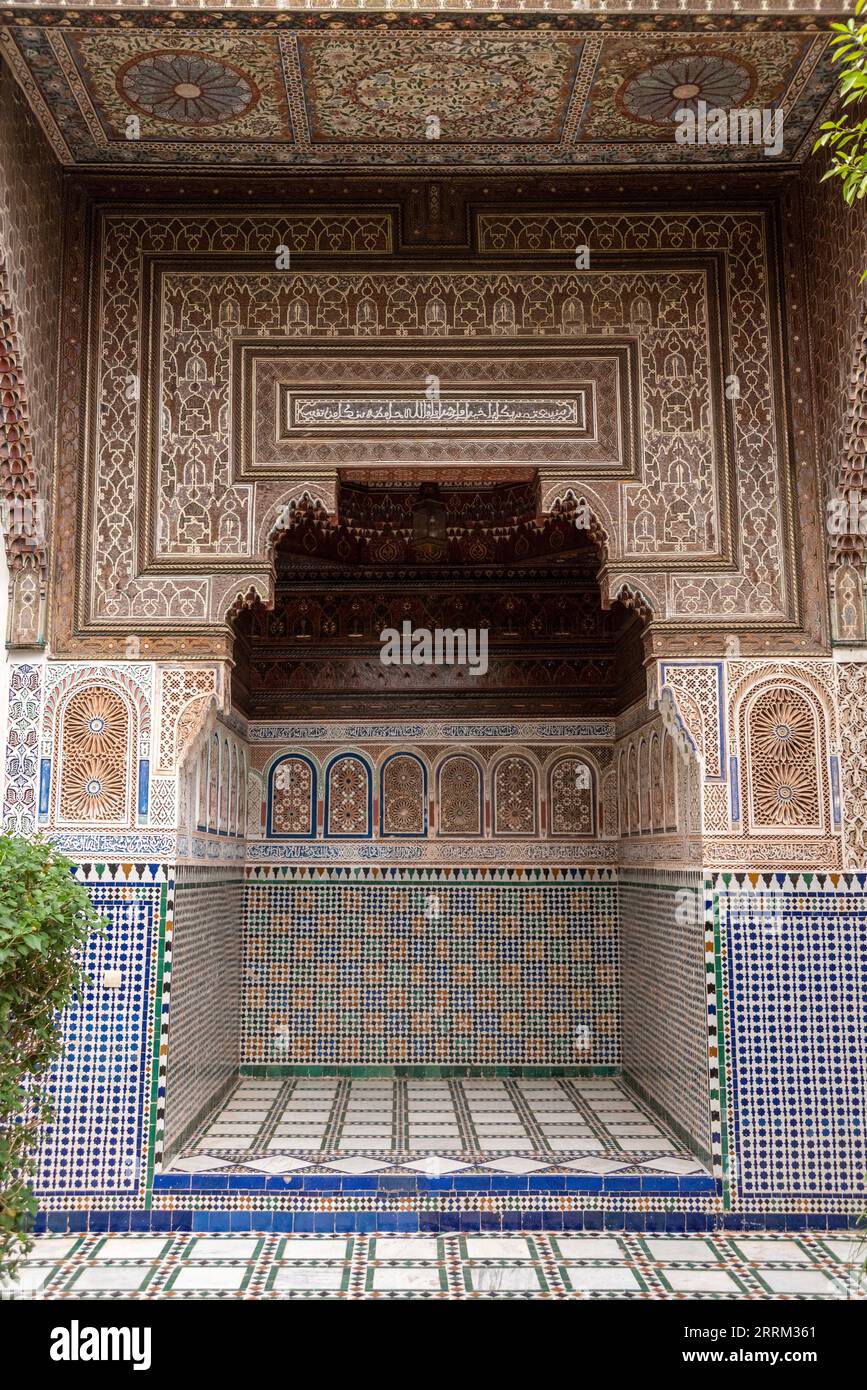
(338, 1125)
(537, 1265)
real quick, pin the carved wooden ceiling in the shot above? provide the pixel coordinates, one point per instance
(326, 88)
(439, 558)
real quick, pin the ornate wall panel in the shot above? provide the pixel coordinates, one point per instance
(667, 501)
(95, 745)
(413, 971)
(99, 1140)
(835, 253)
(204, 1007)
(292, 806)
(31, 234)
(783, 762)
(794, 964)
(760, 475)
(852, 703)
(181, 692)
(339, 89)
(571, 798)
(403, 796)
(348, 797)
(515, 797)
(782, 721)
(21, 765)
(663, 958)
(515, 789)
(460, 803)
(96, 738)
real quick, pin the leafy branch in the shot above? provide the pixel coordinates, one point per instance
(846, 137)
(46, 918)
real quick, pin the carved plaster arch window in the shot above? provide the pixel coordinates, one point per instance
(785, 777)
(460, 802)
(95, 741)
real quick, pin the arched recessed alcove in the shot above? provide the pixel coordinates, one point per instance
(438, 557)
(433, 840)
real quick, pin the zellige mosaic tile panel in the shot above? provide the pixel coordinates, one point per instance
(204, 1009)
(404, 972)
(795, 963)
(665, 1052)
(101, 1085)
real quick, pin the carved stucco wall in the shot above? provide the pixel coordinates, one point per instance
(744, 764)
(696, 510)
(30, 257)
(835, 251)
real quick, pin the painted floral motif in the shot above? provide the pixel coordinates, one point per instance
(680, 83)
(187, 88)
(376, 87)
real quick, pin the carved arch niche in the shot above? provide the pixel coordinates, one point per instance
(95, 742)
(783, 734)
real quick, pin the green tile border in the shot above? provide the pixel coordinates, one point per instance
(694, 1146)
(720, 967)
(457, 1069)
(199, 1119)
(168, 884)
(446, 876)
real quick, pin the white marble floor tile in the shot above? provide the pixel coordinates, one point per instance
(217, 1248)
(602, 1277)
(504, 1279)
(209, 1278)
(387, 1279)
(700, 1280)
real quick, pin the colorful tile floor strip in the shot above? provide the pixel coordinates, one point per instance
(326, 1125)
(516, 1266)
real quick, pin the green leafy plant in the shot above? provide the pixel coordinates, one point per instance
(45, 919)
(846, 137)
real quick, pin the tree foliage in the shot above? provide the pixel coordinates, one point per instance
(846, 137)
(45, 919)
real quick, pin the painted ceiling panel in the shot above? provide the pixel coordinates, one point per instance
(161, 89)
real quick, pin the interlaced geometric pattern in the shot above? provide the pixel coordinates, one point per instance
(292, 805)
(460, 797)
(514, 797)
(430, 973)
(403, 796)
(96, 1140)
(795, 1039)
(348, 798)
(663, 957)
(94, 746)
(571, 798)
(205, 985)
(783, 747)
(499, 1266)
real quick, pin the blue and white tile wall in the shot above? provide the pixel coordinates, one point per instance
(203, 996)
(665, 998)
(102, 1087)
(793, 1029)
